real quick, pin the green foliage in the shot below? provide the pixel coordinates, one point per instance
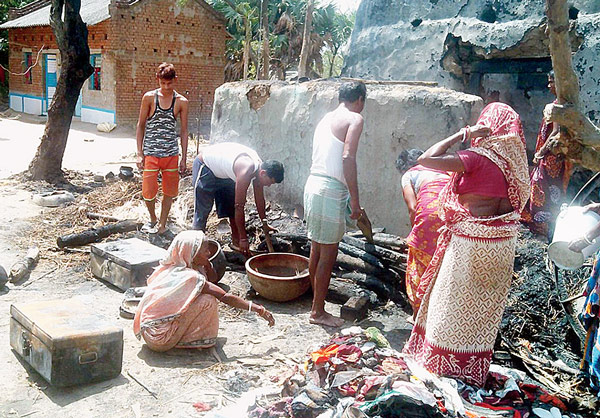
(332, 64)
(331, 29)
(4, 6)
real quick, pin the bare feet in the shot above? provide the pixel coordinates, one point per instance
(326, 319)
(161, 229)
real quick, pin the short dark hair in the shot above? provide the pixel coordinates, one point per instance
(274, 170)
(351, 91)
(166, 71)
(407, 159)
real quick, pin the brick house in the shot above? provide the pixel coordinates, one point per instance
(127, 40)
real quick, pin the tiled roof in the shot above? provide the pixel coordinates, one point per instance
(92, 12)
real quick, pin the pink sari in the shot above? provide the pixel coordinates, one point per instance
(174, 296)
(424, 234)
(465, 286)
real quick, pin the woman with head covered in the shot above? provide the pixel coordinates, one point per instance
(180, 307)
(421, 188)
(465, 286)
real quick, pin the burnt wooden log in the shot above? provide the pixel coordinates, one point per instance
(355, 309)
(96, 234)
(376, 250)
(350, 263)
(341, 290)
(234, 257)
(280, 245)
(358, 233)
(347, 261)
(297, 238)
(392, 242)
(383, 290)
(363, 255)
(102, 217)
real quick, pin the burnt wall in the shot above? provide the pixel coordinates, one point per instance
(496, 49)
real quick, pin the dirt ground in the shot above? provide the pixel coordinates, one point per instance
(250, 354)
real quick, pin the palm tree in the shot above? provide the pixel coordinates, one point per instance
(243, 16)
(290, 29)
(281, 30)
(335, 28)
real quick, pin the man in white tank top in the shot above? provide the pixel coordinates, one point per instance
(222, 174)
(331, 191)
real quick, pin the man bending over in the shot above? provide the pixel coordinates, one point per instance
(222, 174)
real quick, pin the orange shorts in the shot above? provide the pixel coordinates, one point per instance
(169, 168)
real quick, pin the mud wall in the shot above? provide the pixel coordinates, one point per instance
(278, 120)
(494, 49)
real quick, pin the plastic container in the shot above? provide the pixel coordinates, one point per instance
(572, 223)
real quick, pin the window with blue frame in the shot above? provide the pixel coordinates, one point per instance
(96, 61)
(27, 64)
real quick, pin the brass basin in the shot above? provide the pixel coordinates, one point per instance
(278, 276)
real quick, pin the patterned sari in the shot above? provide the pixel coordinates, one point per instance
(465, 286)
(591, 316)
(174, 298)
(549, 181)
(423, 236)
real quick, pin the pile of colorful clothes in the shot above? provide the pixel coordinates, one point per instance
(358, 374)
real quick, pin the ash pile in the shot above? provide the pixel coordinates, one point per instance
(540, 332)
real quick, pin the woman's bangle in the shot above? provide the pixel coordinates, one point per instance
(250, 307)
(466, 133)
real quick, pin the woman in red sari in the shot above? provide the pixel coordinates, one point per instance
(549, 178)
(465, 286)
(421, 188)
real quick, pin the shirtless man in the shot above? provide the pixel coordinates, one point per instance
(222, 174)
(157, 145)
(331, 191)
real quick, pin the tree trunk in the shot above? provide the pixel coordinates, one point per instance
(247, 40)
(303, 65)
(333, 56)
(578, 134)
(560, 50)
(264, 11)
(71, 37)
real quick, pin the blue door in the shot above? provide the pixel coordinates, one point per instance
(78, 106)
(51, 76)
